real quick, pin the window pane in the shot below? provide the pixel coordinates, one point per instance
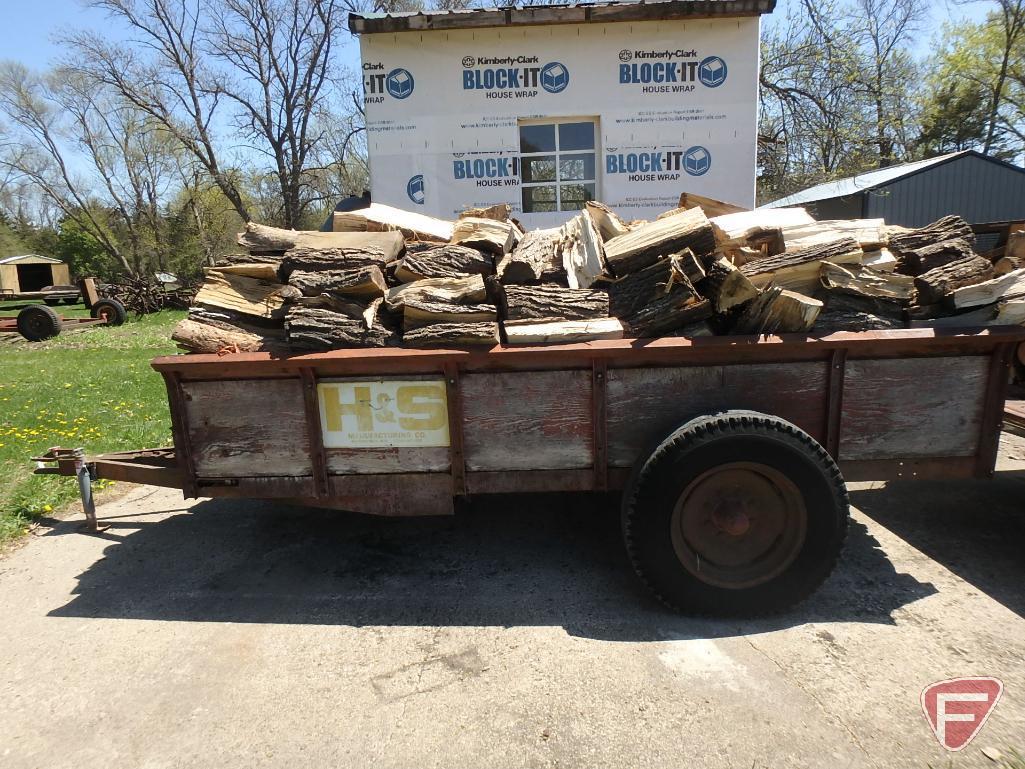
(540, 169)
(538, 199)
(537, 138)
(575, 195)
(576, 136)
(576, 167)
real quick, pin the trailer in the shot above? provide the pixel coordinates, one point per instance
(730, 453)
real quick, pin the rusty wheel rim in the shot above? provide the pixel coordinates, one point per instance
(739, 525)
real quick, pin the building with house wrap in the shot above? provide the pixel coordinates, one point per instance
(546, 107)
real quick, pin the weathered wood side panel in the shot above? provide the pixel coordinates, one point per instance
(530, 420)
(646, 404)
(387, 460)
(248, 428)
(912, 407)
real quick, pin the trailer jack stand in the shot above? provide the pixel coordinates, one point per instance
(85, 489)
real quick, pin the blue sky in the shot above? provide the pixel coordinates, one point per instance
(26, 34)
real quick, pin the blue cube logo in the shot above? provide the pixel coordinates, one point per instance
(415, 189)
(712, 72)
(399, 83)
(554, 77)
(697, 161)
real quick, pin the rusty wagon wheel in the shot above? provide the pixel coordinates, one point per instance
(37, 322)
(738, 513)
(111, 311)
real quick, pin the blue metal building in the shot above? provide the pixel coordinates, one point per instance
(979, 188)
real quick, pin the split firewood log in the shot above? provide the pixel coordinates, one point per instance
(500, 212)
(799, 270)
(840, 303)
(451, 335)
(936, 283)
(1010, 285)
(1006, 264)
(555, 303)
(645, 244)
(868, 232)
(741, 228)
(267, 270)
(316, 329)
(259, 237)
(360, 282)
(726, 286)
(710, 206)
(319, 259)
(582, 252)
(537, 256)
(466, 290)
(778, 311)
(947, 228)
(861, 281)
(563, 331)
(606, 220)
(443, 262)
(485, 234)
(852, 320)
(380, 218)
(247, 296)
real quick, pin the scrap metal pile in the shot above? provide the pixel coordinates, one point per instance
(388, 277)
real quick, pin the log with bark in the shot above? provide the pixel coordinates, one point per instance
(451, 335)
(738, 229)
(799, 270)
(933, 285)
(317, 329)
(536, 257)
(466, 290)
(555, 303)
(485, 235)
(215, 336)
(246, 296)
(645, 244)
(831, 319)
(260, 270)
(861, 281)
(563, 331)
(778, 311)
(366, 282)
(637, 290)
(443, 262)
(726, 286)
(667, 314)
(381, 218)
(947, 228)
(915, 261)
(260, 238)
(379, 254)
(233, 260)
(882, 307)
(416, 313)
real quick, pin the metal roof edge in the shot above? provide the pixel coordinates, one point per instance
(520, 16)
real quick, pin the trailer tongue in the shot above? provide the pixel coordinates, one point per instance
(728, 450)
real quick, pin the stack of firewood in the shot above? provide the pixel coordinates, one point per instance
(387, 277)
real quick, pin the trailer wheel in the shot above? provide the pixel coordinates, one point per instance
(738, 513)
(111, 310)
(37, 323)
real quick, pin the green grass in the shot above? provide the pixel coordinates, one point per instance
(91, 388)
(64, 310)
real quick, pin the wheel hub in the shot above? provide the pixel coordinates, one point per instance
(739, 524)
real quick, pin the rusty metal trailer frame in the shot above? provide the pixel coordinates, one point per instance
(403, 493)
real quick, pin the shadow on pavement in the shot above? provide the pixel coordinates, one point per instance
(503, 561)
(975, 529)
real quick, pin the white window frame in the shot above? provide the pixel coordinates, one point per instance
(558, 182)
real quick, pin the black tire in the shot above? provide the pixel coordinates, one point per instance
(37, 323)
(52, 301)
(688, 497)
(112, 309)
